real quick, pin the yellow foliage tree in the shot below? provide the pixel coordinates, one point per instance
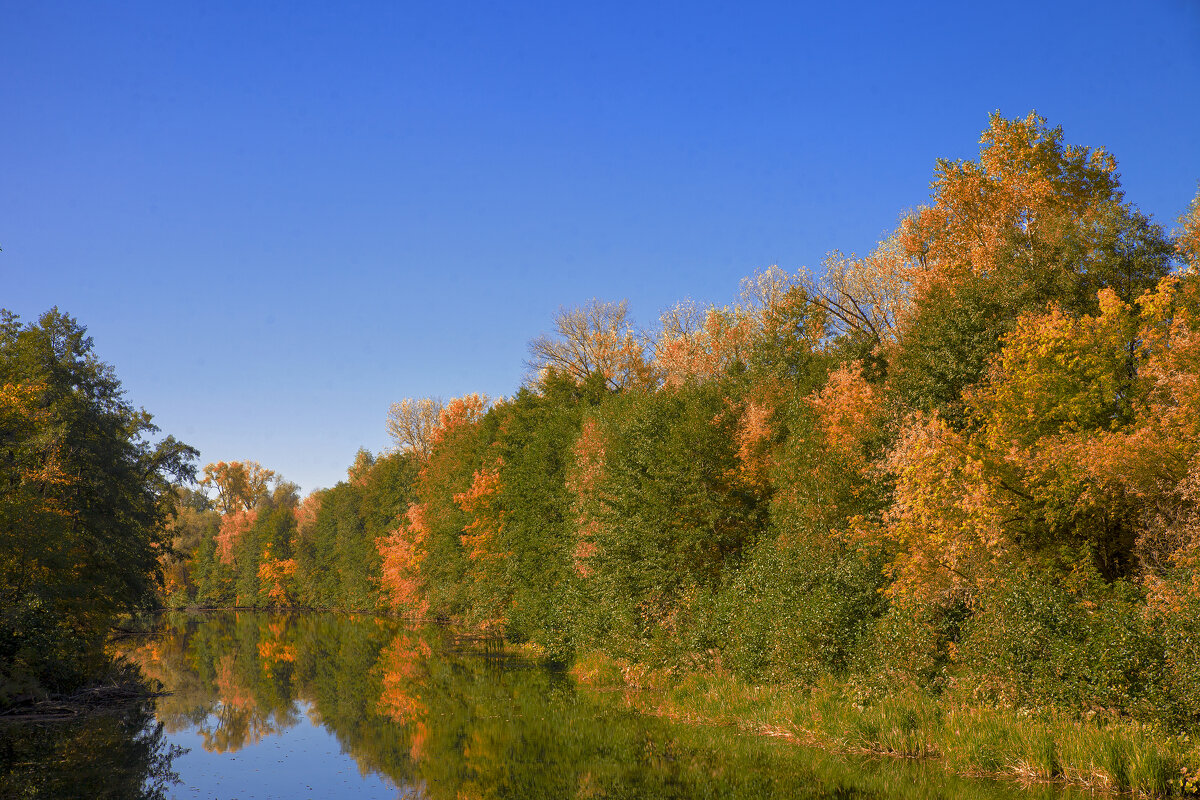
(412, 422)
(595, 337)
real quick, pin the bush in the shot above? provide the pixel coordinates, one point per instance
(797, 611)
(1042, 635)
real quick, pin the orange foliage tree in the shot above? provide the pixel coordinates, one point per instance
(697, 343)
(583, 482)
(239, 484)
(487, 519)
(403, 551)
(277, 578)
(465, 410)
(234, 525)
(1032, 221)
(306, 512)
(1027, 195)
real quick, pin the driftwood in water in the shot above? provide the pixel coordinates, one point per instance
(89, 700)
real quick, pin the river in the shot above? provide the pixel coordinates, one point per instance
(328, 706)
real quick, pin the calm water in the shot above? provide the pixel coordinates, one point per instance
(333, 706)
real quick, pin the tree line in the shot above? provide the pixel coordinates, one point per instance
(966, 461)
(969, 461)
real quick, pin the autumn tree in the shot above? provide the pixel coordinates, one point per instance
(1034, 220)
(700, 343)
(239, 485)
(403, 550)
(595, 337)
(412, 423)
(1187, 238)
(466, 410)
(1036, 208)
(867, 297)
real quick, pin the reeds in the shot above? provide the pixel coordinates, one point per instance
(1097, 752)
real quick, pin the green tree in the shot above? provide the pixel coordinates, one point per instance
(85, 501)
(671, 511)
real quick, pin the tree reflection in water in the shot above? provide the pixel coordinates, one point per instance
(440, 719)
(120, 754)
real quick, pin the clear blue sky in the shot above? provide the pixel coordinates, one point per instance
(276, 219)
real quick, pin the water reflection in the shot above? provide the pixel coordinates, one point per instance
(439, 718)
(121, 754)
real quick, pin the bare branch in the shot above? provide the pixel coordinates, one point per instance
(596, 337)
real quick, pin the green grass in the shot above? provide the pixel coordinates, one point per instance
(1047, 745)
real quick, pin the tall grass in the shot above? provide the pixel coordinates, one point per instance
(1049, 745)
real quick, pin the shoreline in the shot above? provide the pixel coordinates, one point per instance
(100, 698)
(1102, 753)
(1111, 755)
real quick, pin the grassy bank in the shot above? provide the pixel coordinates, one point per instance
(1096, 752)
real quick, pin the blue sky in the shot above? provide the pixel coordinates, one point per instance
(277, 218)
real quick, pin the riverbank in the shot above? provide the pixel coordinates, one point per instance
(1050, 746)
(123, 686)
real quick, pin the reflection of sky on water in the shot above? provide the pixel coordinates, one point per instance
(338, 706)
(303, 761)
(326, 706)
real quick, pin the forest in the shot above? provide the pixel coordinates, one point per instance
(967, 461)
(965, 464)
